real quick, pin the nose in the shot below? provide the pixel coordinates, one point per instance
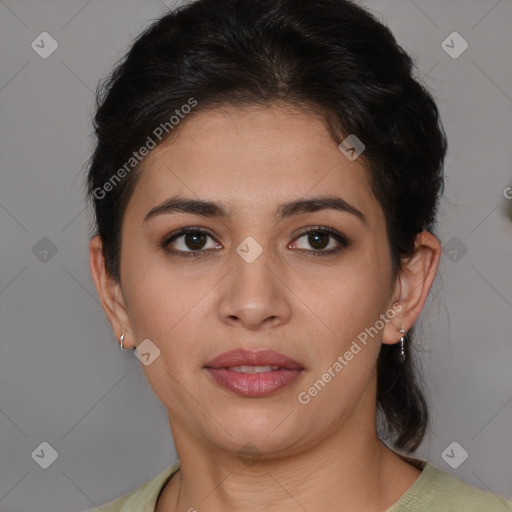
(254, 295)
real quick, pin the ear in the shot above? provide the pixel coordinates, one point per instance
(412, 285)
(110, 292)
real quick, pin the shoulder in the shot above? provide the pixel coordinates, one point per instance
(439, 491)
(142, 498)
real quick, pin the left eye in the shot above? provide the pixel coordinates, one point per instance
(319, 239)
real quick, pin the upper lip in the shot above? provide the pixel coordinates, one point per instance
(241, 357)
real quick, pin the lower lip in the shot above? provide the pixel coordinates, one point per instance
(254, 384)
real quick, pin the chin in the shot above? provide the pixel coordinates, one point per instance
(259, 431)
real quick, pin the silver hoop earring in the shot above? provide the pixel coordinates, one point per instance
(402, 345)
(121, 339)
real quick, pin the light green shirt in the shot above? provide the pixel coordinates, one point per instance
(434, 491)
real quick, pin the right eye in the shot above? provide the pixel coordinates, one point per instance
(189, 242)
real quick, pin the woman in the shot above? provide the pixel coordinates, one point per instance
(265, 185)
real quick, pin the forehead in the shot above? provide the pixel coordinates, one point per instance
(253, 159)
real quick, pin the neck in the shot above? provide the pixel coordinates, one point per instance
(357, 472)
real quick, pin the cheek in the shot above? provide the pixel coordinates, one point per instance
(344, 298)
(345, 354)
(171, 304)
(161, 308)
(158, 291)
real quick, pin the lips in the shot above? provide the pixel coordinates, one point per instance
(253, 374)
(242, 357)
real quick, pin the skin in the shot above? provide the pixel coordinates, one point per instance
(308, 307)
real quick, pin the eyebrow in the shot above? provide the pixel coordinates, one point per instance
(211, 209)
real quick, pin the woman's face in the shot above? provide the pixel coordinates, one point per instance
(257, 282)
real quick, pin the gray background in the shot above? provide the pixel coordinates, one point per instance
(63, 379)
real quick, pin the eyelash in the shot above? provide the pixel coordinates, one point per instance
(341, 239)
